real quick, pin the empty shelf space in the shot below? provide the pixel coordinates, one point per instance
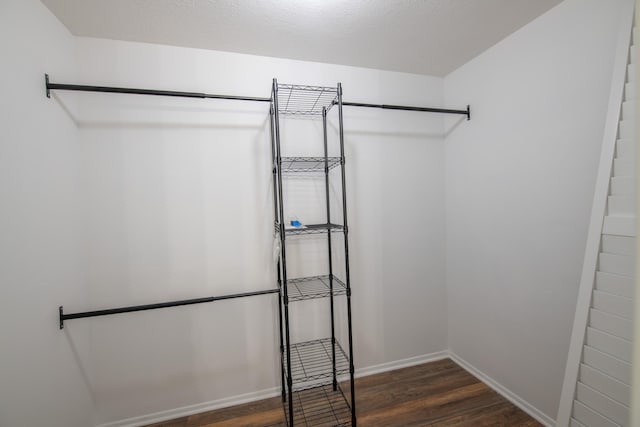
(609, 344)
(627, 130)
(602, 404)
(615, 284)
(307, 164)
(628, 110)
(575, 423)
(616, 264)
(305, 100)
(625, 148)
(311, 363)
(314, 287)
(620, 245)
(623, 185)
(621, 205)
(619, 225)
(623, 166)
(320, 406)
(605, 384)
(614, 304)
(589, 417)
(630, 91)
(310, 229)
(611, 324)
(607, 364)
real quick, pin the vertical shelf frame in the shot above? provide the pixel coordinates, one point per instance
(312, 101)
(276, 215)
(326, 185)
(282, 262)
(346, 254)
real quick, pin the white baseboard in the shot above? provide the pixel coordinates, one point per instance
(264, 394)
(403, 363)
(184, 411)
(505, 392)
(363, 372)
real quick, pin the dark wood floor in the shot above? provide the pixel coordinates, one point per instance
(433, 394)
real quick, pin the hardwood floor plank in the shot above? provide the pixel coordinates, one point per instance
(273, 417)
(248, 413)
(434, 394)
(423, 410)
(501, 414)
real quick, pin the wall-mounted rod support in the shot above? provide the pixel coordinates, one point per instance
(132, 308)
(133, 91)
(466, 112)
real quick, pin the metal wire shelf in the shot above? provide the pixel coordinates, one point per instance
(307, 164)
(309, 229)
(305, 288)
(311, 363)
(305, 100)
(320, 407)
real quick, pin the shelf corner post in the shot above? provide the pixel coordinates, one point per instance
(274, 167)
(346, 256)
(283, 251)
(329, 249)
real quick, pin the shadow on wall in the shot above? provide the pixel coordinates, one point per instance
(395, 134)
(137, 113)
(454, 126)
(80, 362)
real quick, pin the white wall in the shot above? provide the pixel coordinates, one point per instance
(178, 204)
(635, 406)
(519, 186)
(635, 387)
(42, 378)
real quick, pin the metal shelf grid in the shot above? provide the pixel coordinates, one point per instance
(305, 288)
(311, 363)
(307, 164)
(301, 100)
(320, 407)
(309, 229)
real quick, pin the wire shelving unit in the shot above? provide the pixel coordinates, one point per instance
(313, 372)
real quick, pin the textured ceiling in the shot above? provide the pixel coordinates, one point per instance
(417, 36)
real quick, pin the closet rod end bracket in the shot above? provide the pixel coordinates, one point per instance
(46, 83)
(61, 317)
(468, 112)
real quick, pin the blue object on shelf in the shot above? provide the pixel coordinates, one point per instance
(295, 223)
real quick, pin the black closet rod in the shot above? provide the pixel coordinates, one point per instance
(134, 91)
(177, 303)
(110, 89)
(466, 112)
